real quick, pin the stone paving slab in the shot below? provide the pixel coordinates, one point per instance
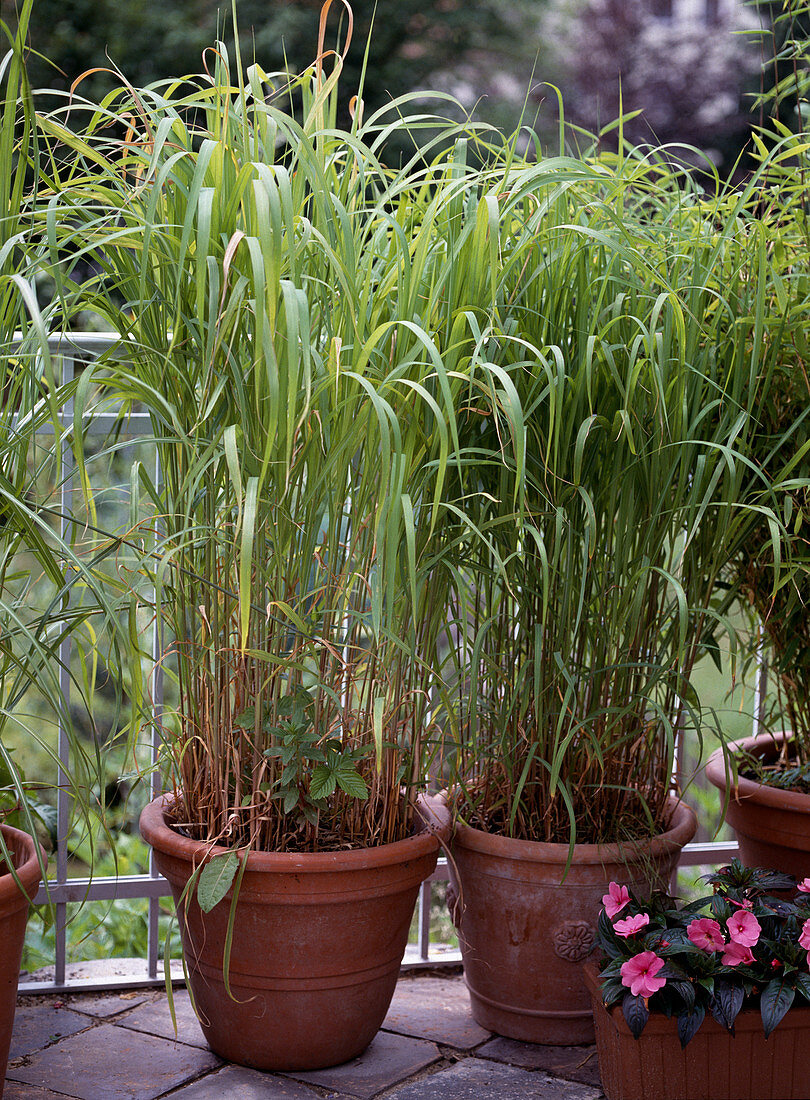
(38, 1025)
(389, 1060)
(104, 1007)
(122, 1047)
(437, 1009)
(575, 1063)
(156, 1019)
(238, 1083)
(14, 1090)
(113, 1063)
(473, 1079)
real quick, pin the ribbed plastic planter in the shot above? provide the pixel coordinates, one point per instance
(317, 943)
(714, 1066)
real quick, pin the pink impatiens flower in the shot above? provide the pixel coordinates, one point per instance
(804, 939)
(631, 925)
(743, 928)
(736, 953)
(804, 935)
(804, 886)
(639, 974)
(705, 933)
(615, 899)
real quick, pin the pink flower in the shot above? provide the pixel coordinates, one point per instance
(736, 953)
(615, 899)
(746, 903)
(804, 886)
(639, 974)
(631, 925)
(804, 935)
(744, 928)
(705, 933)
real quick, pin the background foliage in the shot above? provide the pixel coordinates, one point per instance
(692, 76)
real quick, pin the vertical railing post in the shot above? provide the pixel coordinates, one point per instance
(761, 685)
(63, 801)
(153, 940)
(423, 934)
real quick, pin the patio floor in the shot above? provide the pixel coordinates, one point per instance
(122, 1047)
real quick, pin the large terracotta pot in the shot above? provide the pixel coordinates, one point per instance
(14, 903)
(526, 927)
(714, 1066)
(772, 826)
(317, 943)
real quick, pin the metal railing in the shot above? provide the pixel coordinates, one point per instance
(61, 890)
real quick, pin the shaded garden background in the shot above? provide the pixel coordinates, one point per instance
(689, 66)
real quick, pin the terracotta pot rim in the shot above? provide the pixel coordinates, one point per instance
(683, 824)
(156, 832)
(28, 868)
(766, 744)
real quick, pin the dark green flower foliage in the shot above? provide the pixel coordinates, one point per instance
(773, 972)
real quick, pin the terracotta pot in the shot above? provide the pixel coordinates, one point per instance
(772, 826)
(713, 1066)
(525, 927)
(317, 943)
(14, 904)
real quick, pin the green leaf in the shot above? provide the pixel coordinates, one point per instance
(290, 799)
(803, 985)
(49, 818)
(727, 1002)
(215, 880)
(311, 814)
(322, 783)
(685, 990)
(776, 999)
(612, 990)
(379, 706)
(636, 1013)
(350, 781)
(689, 1022)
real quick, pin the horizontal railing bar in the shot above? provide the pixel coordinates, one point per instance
(132, 886)
(144, 886)
(450, 959)
(114, 983)
(68, 343)
(708, 852)
(103, 889)
(91, 344)
(95, 342)
(95, 976)
(97, 985)
(96, 423)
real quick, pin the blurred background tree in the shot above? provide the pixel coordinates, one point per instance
(688, 69)
(411, 40)
(691, 65)
(684, 69)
